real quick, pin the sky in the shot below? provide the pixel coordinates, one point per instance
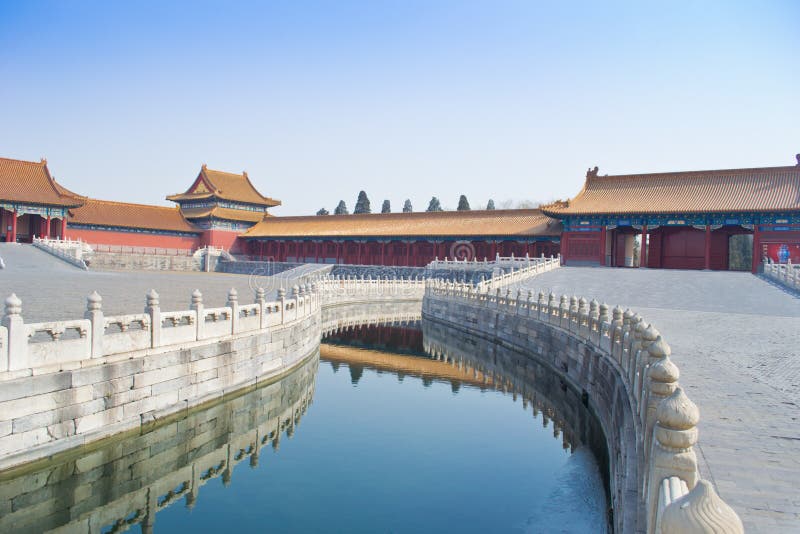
(502, 99)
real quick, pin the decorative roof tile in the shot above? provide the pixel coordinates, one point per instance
(224, 185)
(126, 215)
(30, 182)
(501, 223)
(721, 191)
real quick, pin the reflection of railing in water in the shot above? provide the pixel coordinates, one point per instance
(538, 387)
(114, 486)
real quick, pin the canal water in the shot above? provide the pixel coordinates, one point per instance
(355, 440)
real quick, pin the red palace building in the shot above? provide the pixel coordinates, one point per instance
(682, 220)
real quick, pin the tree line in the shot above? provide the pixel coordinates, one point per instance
(363, 206)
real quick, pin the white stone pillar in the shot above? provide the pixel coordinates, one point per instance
(261, 301)
(675, 433)
(154, 311)
(198, 307)
(233, 303)
(94, 313)
(17, 357)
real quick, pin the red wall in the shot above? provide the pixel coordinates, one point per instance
(417, 253)
(582, 247)
(222, 238)
(131, 239)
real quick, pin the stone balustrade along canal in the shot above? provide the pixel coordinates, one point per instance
(68, 383)
(622, 366)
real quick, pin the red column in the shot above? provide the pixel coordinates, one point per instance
(563, 248)
(64, 227)
(708, 248)
(358, 257)
(643, 255)
(408, 252)
(47, 231)
(756, 249)
(338, 252)
(13, 237)
(603, 245)
(383, 246)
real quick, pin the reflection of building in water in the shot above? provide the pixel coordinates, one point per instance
(360, 358)
(405, 338)
(523, 377)
(112, 486)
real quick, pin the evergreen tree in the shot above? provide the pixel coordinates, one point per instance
(407, 206)
(463, 203)
(434, 205)
(323, 211)
(490, 205)
(387, 207)
(362, 204)
(341, 209)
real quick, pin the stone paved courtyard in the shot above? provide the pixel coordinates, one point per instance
(736, 340)
(53, 290)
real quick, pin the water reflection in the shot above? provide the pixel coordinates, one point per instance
(395, 442)
(466, 361)
(116, 485)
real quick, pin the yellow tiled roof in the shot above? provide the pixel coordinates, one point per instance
(126, 215)
(224, 185)
(528, 222)
(30, 182)
(731, 190)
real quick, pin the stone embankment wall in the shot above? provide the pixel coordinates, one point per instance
(118, 261)
(622, 367)
(164, 466)
(67, 383)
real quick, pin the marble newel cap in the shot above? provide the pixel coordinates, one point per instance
(700, 511)
(677, 412)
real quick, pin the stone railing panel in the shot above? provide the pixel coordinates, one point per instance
(249, 318)
(178, 327)
(126, 333)
(217, 322)
(58, 342)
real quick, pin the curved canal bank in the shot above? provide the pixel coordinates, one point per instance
(371, 451)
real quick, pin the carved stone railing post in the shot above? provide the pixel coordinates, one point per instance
(282, 299)
(616, 334)
(197, 306)
(563, 312)
(233, 303)
(261, 300)
(648, 336)
(94, 313)
(675, 433)
(583, 315)
(154, 311)
(574, 322)
(700, 511)
(17, 357)
(663, 379)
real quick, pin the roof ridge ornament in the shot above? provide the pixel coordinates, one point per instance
(797, 157)
(592, 173)
(204, 166)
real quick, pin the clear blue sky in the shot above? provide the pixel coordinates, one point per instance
(405, 98)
